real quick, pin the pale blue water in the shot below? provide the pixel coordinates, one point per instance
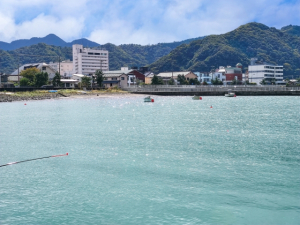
(174, 161)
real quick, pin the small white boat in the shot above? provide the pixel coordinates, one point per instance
(230, 94)
(148, 99)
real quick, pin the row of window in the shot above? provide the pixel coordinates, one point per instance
(264, 71)
(95, 53)
(272, 67)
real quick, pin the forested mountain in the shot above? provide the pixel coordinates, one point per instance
(119, 56)
(293, 30)
(50, 39)
(250, 40)
(9, 60)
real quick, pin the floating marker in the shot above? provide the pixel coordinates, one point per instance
(211, 106)
(11, 163)
(200, 98)
(25, 104)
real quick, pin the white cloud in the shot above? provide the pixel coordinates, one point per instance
(140, 22)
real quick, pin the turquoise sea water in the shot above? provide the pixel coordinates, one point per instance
(174, 161)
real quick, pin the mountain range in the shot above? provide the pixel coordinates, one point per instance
(277, 46)
(50, 39)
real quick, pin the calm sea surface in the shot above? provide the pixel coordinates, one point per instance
(174, 161)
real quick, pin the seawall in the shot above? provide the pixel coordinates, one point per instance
(214, 90)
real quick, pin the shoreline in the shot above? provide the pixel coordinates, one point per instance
(44, 95)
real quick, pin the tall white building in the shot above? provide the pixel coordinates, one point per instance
(269, 72)
(87, 61)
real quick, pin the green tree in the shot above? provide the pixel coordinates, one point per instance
(288, 70)
(171, 81)
(263, 82)
(194, 81)
(216, 81)
(86, 81)
(24, 81)
(30, 75)
(99, 77)
(181, 79)
(56, 80)
(156, 80)
(40, 79)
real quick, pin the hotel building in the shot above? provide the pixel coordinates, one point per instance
(87, 61)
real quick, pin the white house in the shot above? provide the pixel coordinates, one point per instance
(69, 83)
(202, 77)
(87, 61)
(77, 77)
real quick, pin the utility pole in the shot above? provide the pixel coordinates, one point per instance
(59, 65)
(18, 70)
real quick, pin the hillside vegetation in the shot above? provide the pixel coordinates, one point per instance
(251, 40)
(119, 56)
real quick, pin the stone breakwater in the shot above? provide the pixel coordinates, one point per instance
(8, 97)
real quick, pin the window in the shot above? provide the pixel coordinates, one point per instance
(122, 78)
(44, 68)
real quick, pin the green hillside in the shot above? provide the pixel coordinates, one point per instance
(247, 41)
(9, 60)
(293, 30)
(119, 56)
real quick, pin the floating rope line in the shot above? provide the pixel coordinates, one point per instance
(34, 159)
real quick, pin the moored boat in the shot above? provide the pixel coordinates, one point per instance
(230, 94)
(196, 97)
(148, 99)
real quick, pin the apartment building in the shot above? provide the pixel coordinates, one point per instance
(259, 71)
(87, 61)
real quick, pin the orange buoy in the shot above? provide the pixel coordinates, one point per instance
(25, 104)
(211, 106)
(200, 98)
(152, 100)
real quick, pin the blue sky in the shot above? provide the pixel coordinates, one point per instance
(138, 21)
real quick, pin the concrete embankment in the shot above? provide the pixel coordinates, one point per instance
(209, 93)
(214, 90)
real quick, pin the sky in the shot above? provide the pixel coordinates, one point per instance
(138, 21)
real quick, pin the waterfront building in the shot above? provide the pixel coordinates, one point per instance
(133, 76)
(230, 73)
(259, 71)
(87, 61)
(167, 76)
(203, 77)
(115, 79)
(68, 83)
(148, 77)
(43, 67)
(219, 74)
(65, 68)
